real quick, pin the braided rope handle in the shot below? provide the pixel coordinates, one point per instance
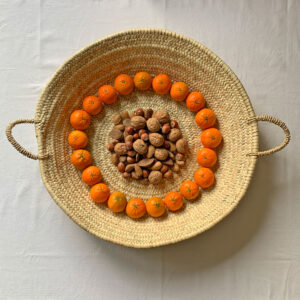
(19, 148)
(278, 123)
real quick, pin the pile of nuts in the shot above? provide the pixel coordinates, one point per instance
(147, 144)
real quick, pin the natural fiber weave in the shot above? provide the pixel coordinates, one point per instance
(154, 51)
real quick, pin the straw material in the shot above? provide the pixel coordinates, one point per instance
(154, 51)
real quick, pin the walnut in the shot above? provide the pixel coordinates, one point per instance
(140, 146)
(174, 134)
(182, 145)
(153, 125)
(138, 122)
(156, 139)
(161, 154)
(162, 116)
(155, 177)
(120, 148)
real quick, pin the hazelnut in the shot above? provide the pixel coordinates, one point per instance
(179, 156)
(135, 136)
(127, 122)
(120, 127)
(128, 138)
(176, 168)
(128, 145)
(145, 137)
(166, 128)
(153, 125)
(141, 131)
(138, 170)
(114, 158)
(110, 147)
(157, 166)
(168, 175)
(156, 139)
(131, 153)
(138, 122)
(120, 148)
(126, 175)
(174, 134)
(162, 116)
(155, 177)
(130, 160)
(182, 145)
(123, 158)
(129, 168)
(161, 154)
(116, 134)
(140, 146)
(124, 114)
(139, 112)
(145, 173)
(121, 167)
(174, 124)
(117, 119)
(148, 113)
(164, 169)
(151, 151)
(129, 130)
(167, 144)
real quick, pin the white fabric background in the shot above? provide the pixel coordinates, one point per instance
(253, 254)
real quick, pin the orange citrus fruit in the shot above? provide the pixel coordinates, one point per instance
(81, 159)
(117, 202)
(80, 119)
(189, 190)
(91, 175)
(195, 101)
(179, 91)
(124, 84)
(211, 138)
(142, 81)
(173, 200)
(77, 139)
(155, 207)
(107, 94)
(135, 208)
(161, 84)
(204, 177)
(99, 192)
(207, 157)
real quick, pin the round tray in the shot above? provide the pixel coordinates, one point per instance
(154, 51)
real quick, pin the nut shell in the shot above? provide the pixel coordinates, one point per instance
(162, 116)
(140, 146)
(153, 125)
(138, 122)
(155, 177)
(182, 146)
(156, 139)
(161, 154)
(120, 148)
(174, 134)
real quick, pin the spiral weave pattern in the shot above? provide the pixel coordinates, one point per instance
(154, 51)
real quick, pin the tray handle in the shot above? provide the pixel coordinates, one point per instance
(278, 123)
(19, 148)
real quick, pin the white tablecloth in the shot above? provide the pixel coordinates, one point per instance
(253, 254)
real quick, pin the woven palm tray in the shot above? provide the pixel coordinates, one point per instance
(154, 51)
